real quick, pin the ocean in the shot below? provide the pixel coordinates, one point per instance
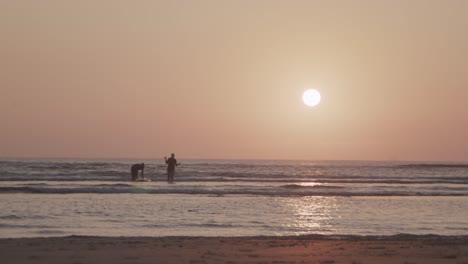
(63, 197)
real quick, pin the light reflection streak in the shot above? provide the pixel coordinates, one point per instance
(310, 214)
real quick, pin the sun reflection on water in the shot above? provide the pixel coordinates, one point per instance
(310, 215)
(310, 184)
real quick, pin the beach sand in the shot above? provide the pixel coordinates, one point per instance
(301, 249)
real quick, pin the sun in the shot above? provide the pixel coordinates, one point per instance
(311, 97)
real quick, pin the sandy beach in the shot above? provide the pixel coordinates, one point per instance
(303, 249)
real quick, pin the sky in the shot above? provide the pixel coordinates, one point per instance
(224, 79)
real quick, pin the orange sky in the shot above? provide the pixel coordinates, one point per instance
(224, 79)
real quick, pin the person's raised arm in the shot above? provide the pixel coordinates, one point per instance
(165, 159)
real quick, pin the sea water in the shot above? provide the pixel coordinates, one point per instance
(61, 197)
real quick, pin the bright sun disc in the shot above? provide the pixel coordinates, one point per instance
(311, 97)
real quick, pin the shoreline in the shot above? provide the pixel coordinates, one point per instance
(255, 249)
(402, 236)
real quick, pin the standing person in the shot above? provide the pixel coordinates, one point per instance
(135, 168)
(171, 164)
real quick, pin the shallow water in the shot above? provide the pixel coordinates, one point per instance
(29, 215)
(232, 198)
(223, 177)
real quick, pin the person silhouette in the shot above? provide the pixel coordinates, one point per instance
(171, 164)
(135, 168)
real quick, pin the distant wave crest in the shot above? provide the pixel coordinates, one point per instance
(285, 190)
(430, 165)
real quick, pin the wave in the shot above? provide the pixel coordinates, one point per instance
(286, 190)
(62, 179)
(430, 165)
(299, 186)
(284, 178)
(7, 226)
(114, 185)
(9, 217)
(50, 232)
(210, 179)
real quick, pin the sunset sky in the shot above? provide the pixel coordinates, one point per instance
(224, 79)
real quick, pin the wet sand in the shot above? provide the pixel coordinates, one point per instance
(302, 249)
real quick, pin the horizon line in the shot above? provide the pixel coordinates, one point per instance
(222, 158)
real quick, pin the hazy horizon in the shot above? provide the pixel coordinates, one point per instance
(224, 79)
(182, 158)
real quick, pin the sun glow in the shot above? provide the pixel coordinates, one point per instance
(311, 97)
